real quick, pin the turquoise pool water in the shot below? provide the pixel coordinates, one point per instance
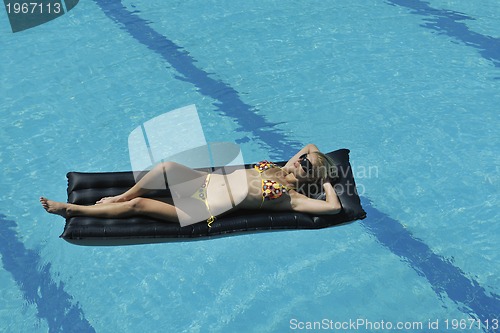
(411, 87)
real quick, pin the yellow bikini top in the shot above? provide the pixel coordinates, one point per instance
(270, 189)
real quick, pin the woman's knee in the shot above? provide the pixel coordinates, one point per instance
(167, 166)
(136, 205)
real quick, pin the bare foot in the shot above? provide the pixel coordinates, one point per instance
(54, 207)
(116, 198)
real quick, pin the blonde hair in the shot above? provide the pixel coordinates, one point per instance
(326, 170)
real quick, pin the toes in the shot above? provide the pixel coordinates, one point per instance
(43, 201)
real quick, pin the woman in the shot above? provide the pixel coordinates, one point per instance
(199, 196)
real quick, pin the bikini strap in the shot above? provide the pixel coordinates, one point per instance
(211, 219)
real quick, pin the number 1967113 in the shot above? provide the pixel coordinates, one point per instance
(33, 8)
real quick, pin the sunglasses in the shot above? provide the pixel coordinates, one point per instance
(306, 164)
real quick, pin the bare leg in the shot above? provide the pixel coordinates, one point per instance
(54, 207)
(137, 206)
(156, 179)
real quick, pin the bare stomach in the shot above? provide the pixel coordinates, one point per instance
(233, 191)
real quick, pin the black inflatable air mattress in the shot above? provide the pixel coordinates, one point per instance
(87, 188)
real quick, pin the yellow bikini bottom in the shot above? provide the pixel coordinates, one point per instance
(201, 195)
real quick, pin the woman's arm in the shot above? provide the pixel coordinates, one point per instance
(331, 205)
(306, 150)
